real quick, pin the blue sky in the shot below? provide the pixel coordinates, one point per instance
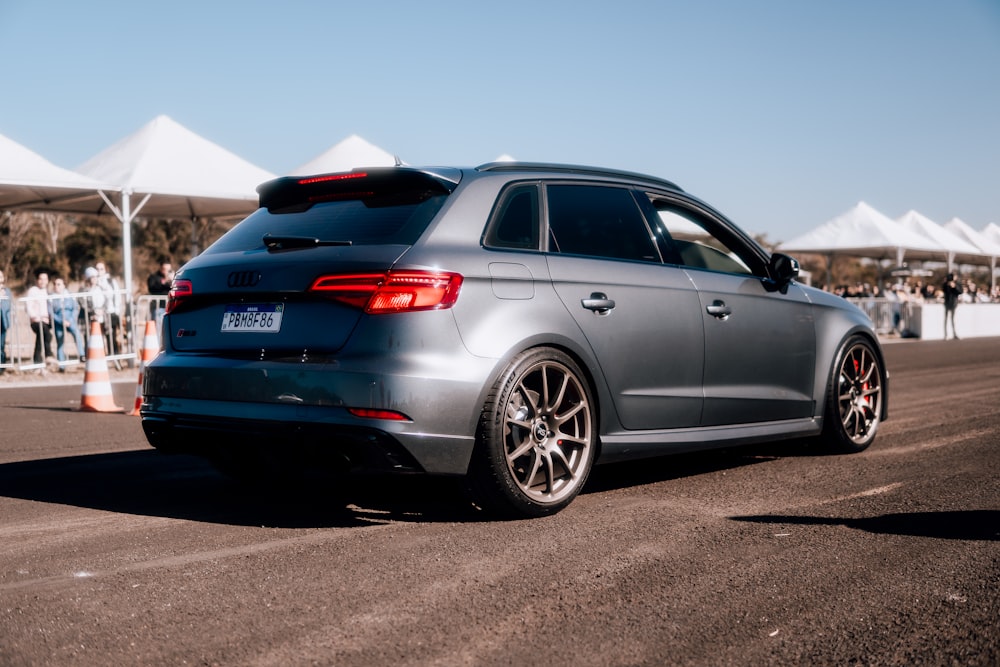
(782, 113)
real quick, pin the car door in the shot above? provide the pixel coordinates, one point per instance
(641, 318)
(759, 340)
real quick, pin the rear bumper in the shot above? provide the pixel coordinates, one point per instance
(277, 434)
(280, 411)
(279, 443)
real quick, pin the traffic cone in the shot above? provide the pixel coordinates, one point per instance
(97, 396)
(150, 346)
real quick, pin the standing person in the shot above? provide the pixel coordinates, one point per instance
(952, 291)
(112, 307)
(65, 311)
(37, 304)
(6, 303)
(158, 285)
(96, 298)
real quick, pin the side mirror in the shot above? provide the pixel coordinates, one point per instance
(783, 269)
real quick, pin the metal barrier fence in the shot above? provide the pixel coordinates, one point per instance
(122, 331)
(889, 316)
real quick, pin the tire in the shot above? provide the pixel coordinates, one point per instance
(854, 398)
(536, 440)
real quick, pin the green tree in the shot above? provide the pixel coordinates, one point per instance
(94, 239)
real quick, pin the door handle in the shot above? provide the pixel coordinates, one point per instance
(719, 309)
(598, 302)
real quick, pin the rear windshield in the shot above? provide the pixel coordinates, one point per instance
(353, 222)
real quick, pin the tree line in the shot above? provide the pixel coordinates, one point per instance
(64, 244)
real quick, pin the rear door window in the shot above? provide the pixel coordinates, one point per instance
(598, 221)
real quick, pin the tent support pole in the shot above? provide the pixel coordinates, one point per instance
(125, 216)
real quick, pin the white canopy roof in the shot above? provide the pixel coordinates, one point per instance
(177, 174)
(992, 232)
(964, 230)
(863, 231)
(186, 175)
(29, 181)
(955, 246)
(349, 154)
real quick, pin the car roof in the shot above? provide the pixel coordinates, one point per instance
(293, 190)
(538, 168)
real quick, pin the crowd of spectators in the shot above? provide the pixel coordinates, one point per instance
(53, 310)
(891, 308)
(917, 290)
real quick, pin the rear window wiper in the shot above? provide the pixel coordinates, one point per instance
(295, 242)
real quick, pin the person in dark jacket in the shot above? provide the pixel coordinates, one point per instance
(952, 290)
(158, 285)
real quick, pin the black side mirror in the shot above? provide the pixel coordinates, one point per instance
(783, 270)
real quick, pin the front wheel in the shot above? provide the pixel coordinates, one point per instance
(854, 398)
(536, 439)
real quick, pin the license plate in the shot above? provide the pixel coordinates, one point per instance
(253, 317)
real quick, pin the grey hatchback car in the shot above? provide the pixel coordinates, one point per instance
(513, 323)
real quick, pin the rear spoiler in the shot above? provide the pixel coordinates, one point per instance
(386, 184)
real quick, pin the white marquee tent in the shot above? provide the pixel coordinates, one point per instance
(956, 247)
(346, 155)
(863, 231)
(174, 173)
(962, 229)
(992, 232)
(989, 249)
(29, 181)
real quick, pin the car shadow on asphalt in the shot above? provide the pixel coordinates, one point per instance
(148, 482)
(946, 524)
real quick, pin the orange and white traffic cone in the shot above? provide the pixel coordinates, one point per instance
(150, 347)
(97, 396)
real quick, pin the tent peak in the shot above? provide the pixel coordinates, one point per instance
(165, 158)
(349, 153)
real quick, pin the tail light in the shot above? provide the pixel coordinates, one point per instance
(375, 413)
(179, 291)
(392, 291)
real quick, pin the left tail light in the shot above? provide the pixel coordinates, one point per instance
(179, 291)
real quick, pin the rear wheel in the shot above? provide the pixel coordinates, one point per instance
(854, 398)
(536, 437)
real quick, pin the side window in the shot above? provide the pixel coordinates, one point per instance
(699, 243)
(599, 222)
(515, 220)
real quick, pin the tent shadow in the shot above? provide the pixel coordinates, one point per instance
(146, 482)
(981, 525)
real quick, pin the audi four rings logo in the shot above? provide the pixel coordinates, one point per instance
(243, 278)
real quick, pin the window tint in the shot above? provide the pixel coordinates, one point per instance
(515, 222)
(598, 222)
(357, 221)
